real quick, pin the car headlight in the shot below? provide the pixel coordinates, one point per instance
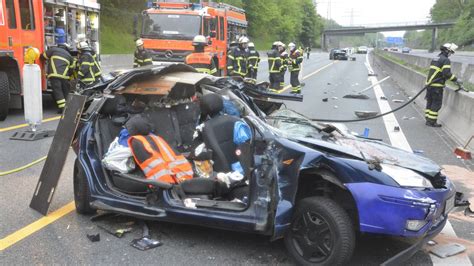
(406, 177)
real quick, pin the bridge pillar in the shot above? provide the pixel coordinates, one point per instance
(323, 42)
(434, 37)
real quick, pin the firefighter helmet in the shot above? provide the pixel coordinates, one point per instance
(83, 45)
(292, 46)
(243, 40)
(199, 40)
(450, 47)
(139, 42)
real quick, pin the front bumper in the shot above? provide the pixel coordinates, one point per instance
(385, 209)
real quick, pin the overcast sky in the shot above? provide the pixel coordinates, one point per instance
(366, 12)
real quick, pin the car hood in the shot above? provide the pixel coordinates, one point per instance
(373, 150)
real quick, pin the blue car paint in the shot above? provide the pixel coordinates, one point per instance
(385, 209)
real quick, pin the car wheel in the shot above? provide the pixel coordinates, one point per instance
(321, 233)
(82, 193)
(4, 95)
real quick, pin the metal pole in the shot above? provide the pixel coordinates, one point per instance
(434, 36)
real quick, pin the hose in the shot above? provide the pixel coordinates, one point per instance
(21, 168)
(372, 117)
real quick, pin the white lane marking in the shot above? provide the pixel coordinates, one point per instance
(399, 140)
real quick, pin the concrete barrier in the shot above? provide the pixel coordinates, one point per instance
(457, 113)
(463, 70)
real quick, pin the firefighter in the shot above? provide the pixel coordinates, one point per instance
(308, 51)
(141, 56)
(89, 72)
(440, 71)
(254, 61)
(237, 59)
(202, 61)
(295, 60)
(275, 63)
(284, 57)
(60, 64)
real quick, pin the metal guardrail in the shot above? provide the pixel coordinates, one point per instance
(391, 24)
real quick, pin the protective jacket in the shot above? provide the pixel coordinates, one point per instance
(275, 62)
(60, 63)
(202, 62)
(88, 69)
(296, 58)
(158, 161)
(440, 71)
(254, 58)
(142, 58)
(237, 61)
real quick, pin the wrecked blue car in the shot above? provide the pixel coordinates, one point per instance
(312, 184)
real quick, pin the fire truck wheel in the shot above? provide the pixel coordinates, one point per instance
(4, 95)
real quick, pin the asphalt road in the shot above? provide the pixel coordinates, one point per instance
(65, 241)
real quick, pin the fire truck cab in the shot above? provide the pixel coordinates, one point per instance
(168, 28)
(40, 24)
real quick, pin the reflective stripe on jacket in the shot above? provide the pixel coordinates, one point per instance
(296, 58)
(237, 61)
(254, 58)
(275, 62)
(88, 68)
(161, 162)
(60, 63)
(142, 58)
(440, 71)
(202, 62)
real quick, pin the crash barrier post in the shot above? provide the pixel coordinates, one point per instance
(457, 113)
(33, 99)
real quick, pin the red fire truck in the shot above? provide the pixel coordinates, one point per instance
(168, 28)
(40, 24)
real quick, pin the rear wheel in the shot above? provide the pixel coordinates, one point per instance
(4, 96)
(82, 193)
(321, 233)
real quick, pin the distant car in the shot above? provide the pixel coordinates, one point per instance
(406, 50)
(338, 54)
(362, 50)
(385, 48)
(394, 49)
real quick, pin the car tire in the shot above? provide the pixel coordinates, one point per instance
(335, 242)
(82, 193)
(4, 95)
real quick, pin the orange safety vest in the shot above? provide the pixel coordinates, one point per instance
(163, 164)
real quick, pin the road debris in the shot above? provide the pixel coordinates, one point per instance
(117, 233)
(418, 151)
(396, 129)
(329, 83)
(146, 242)
(383, 98)
(334, 98)
(398, 101)
(431, 243)
(365, 114)
(325, 99)
(94, 238)
(408, 118)
(448, 250)
(335, 106)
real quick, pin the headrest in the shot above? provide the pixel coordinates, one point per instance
(113, 106)
(211, 104)
(138, 125)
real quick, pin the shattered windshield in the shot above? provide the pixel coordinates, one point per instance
(292, 124)
(171, 26)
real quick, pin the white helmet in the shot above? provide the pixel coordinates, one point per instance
(139, 42)
(251, 44)
(199, 40)
(243, 40)
(451, 47)
(278, 43)
(83, 45)
(291, 46)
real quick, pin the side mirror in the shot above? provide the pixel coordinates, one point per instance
(213, 34)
